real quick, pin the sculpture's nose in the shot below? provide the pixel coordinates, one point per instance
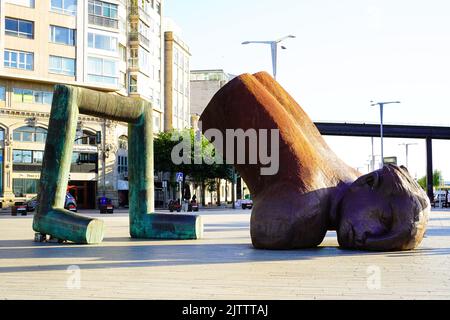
(349, 234)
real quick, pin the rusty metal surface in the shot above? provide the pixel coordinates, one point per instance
(313, 191)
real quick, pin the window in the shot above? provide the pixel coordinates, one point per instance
(62, 35)
(30, 134)
(102, 42)
(123, 80)
(103, 9)
(19, 28)
(18, 59)
(31, 96)
(64, 6)
(175, 56)
(103, 14)
(151, 94)
(25, 3)
(27, 157)
(62, 65)
(87, 138)
(25, 186)
(82, 158)
(158, 99)
(145, 5)
(102, 71)
(122, 166)
(38, 157)
(123, 143)
(22, 156)
(123, 53)
(144, 60)
(156, 122)
(145, 31)
(2, 93)
(133, 84)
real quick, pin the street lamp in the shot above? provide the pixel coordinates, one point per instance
(381, 105)
(274, 48)
(406, 145)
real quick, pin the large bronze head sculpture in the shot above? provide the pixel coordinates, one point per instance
(384, 210)
(313, 191)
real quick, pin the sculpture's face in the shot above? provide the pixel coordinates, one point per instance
(384, 210)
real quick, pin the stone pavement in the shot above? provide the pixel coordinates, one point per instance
(221, 266)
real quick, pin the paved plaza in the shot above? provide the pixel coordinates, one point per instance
(223, 265)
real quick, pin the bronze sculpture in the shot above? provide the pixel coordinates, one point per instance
(51, 217)
(314, 191)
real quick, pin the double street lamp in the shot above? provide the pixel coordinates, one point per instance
(407, 145)
(381, 105)
(274, 48)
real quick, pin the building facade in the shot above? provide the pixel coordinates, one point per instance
(204, 85)
(113, 46)
(177, 82)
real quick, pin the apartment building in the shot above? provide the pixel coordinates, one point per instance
(177, 79)
(113, 46)
(204, 85)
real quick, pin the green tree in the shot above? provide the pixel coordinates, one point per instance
(437, 177)
(201, 174)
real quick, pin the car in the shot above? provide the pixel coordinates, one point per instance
(105, 205)
(247, 204)
(20, 207)
(70, 204)
(174, 205)
(193, 206)
(441, 199)
(244, 204)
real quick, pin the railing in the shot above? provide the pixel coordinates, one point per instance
(84, 168)
(134, 36)
(133, 63)
(75, 168)
(137, 36)
(27, 167)
(144, 14)
(103, 21)
(138, 11)
(143, 39)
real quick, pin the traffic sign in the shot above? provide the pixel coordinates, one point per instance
(390, 160)
(180, 176)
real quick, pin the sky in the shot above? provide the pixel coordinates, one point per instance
(346, 53)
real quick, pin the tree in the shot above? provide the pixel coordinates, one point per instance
(201, 174)
(437, 178)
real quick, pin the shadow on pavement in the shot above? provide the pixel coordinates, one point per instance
(160, 255)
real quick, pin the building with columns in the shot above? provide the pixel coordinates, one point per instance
(113, 46)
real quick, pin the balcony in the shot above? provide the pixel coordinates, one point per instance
(84, 168)
(140, 12)
(27, 167)
(137, 36)
(103, 21)
(133, 63)
(144, 15)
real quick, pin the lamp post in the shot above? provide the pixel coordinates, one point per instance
(406, 145)
(274, 48)
(381, 105)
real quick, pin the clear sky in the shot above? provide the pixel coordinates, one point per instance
(346, 53)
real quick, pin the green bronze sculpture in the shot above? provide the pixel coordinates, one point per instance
(51, 217)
